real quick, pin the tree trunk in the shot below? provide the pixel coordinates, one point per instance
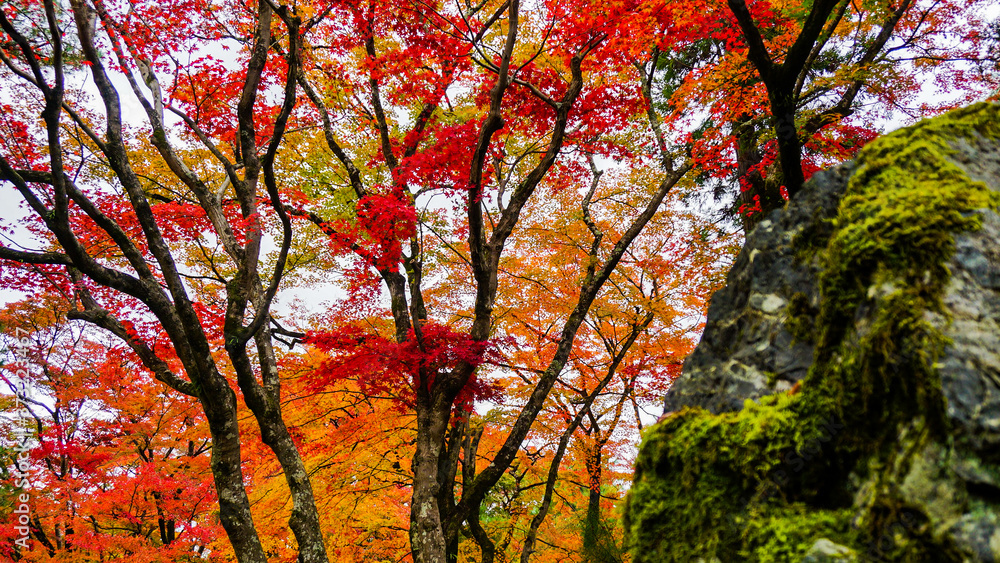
(592, 528)
(789, 151)
(427, 535)
(234, 505)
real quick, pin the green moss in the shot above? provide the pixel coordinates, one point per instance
(703, 481)
(891, 242)
(785, 533)
(800, 318)
(763, 483)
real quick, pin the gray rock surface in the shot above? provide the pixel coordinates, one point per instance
(748, 351)
(825, 551)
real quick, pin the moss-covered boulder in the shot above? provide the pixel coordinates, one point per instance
(844, 403)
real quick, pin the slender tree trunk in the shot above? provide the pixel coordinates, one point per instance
(304, 521)
(789, 150)
(265, 403)
(486, 544)
(593, 528)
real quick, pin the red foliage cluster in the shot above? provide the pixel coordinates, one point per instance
(382, 221)
(384, 367)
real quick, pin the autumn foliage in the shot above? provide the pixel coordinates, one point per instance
(385, 368)
(382, 281)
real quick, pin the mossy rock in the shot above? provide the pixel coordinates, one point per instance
(866, 453)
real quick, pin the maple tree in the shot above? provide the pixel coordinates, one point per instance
(441, 163)
(132, 481)
(115, 263)
(438, 364)
(626, 353)
(816, 80)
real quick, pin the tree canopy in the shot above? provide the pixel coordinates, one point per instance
(364, 280)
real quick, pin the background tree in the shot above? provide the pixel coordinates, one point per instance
(816, 82)
(121, 467)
